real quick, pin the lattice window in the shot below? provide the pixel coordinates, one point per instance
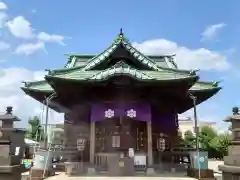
(115, 141)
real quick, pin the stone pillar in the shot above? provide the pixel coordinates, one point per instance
(149, 144)
(150, 169)
(231, 168)
(12, 147)
(92, 142)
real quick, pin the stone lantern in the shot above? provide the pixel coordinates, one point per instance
(231, 168)
(12, 147)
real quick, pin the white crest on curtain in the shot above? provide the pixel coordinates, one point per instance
(109, 113)
(131, 113)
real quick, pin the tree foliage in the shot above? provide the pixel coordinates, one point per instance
(35, 131)
(220, 143)
(189, 139)
(209, 140)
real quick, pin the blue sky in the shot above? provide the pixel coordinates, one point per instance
(34, 35)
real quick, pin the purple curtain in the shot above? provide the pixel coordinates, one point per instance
(102, 111)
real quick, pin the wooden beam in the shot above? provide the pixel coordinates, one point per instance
(59, 106)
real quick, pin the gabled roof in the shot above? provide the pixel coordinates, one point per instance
(81, 68)
(88, 62)
(120, 68)
(80, 60)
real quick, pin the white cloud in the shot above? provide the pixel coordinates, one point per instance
(20, 27)
(3, 6)
(42, 36)
(211, 31)
(12, 95)
(186, 58)
(30, 48)
(3, 19)
(4, 46)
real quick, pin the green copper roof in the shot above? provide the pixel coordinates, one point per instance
(80, 60)
(121, 68)
(81, 68)
(120, 41)
(88, 62)
(200, 86)
(43, 86)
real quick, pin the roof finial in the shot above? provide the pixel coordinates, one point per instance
(120, 37)
(121, 31)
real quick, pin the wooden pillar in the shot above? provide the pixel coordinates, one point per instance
(92, 142)
(149, 144)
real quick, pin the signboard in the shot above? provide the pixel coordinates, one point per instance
(28, 163)
(140, 160)
(131, 152)
(17, 151)
(81, 144)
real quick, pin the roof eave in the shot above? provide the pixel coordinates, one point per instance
(31, 92)
(52, 78)
(207, 93)
(26, 89)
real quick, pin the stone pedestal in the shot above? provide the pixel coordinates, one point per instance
(74, 168)
(42, 166)
(91, 171)
(118, 166)
(39, 174)
(12, 147)
(204, 173)
(150, 171)
(231, 168)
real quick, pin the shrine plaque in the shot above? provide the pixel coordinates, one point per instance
(81, 144)
(131, 152)
(17, 151)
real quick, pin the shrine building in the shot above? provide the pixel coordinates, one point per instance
(120, 99)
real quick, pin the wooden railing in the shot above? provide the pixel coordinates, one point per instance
(168, 160)
(172, 160)
(101, 161)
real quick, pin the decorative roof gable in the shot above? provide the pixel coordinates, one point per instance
(121, 40)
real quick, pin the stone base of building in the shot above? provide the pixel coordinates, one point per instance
(150, 171)
(204, 173)
(59, 167)
(11, 172)
(74, 168)
(91, 171)
(38, 174)
(229, 172)
(12, 176)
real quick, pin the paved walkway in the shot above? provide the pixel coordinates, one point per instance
(212, 165)
(62, 176)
